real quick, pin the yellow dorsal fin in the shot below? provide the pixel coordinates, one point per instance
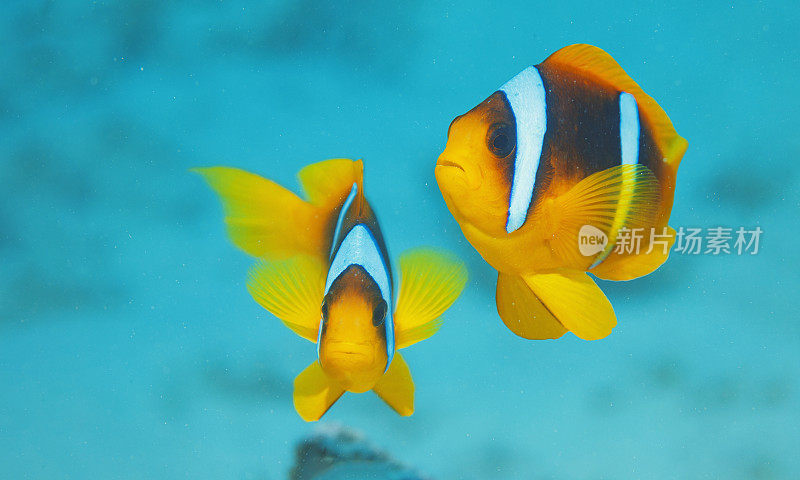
(593, 62)
(265, 219)
(396, 387)
(314, 393)
(430, 281)
(620, 196)
(522, 312)
(575, 301)
(329, 182)
(292, 290)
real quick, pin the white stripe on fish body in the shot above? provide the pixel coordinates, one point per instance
(629, 132)
(526, 95)
(628, 128)
(345, 207)
(360, 248)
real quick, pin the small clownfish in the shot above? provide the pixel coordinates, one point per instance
(325, 273)
(567, 151)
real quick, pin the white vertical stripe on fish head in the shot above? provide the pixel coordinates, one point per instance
(360, 248)
(526, 95)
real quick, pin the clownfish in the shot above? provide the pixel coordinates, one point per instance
(568, 150)
(324, 271)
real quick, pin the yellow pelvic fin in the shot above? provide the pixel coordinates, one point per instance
(265, 219)
(620, 196)
(522, 312)
(328, 183)
(621, 266)
(314, 393)
(594, 62)
(575, 301)
(292, 290)
(396, 387)
(430, 281)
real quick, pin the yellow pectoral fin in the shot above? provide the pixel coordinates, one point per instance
(410, 336)
(292, 290)
(621, 196)
(522, 312)
(328, 183)
(430, 281)
(314, 393)
(396, 387)
(263, 218)
(654, 252)
(575, 301)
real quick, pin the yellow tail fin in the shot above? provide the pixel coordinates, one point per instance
(396, 387)
(430, 281)
(575, 301)
(523, 312)
(314, 393)
(269, 221)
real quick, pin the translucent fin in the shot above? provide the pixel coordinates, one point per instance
(594, 62)
(292, 290)
(265, 219)
(327, 183)
(396, 387)
(624, 195)
(522, 312)
(314, 393)
(430, 281)
(619, 266)
(576, 301)
(410, 336)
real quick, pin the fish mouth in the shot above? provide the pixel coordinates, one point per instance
(471, 180)
(447, 163)
(351, 350)
(348, 353)
(345, 358)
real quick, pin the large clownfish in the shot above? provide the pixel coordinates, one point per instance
(568, 151)
(325, 272)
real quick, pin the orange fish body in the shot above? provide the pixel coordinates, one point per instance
(571, 150)
(324, 271)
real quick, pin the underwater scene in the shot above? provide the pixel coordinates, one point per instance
(402, 240)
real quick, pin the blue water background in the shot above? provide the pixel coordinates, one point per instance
(129, 347)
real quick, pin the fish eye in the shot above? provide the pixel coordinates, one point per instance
(501, 139)
(379, 314)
